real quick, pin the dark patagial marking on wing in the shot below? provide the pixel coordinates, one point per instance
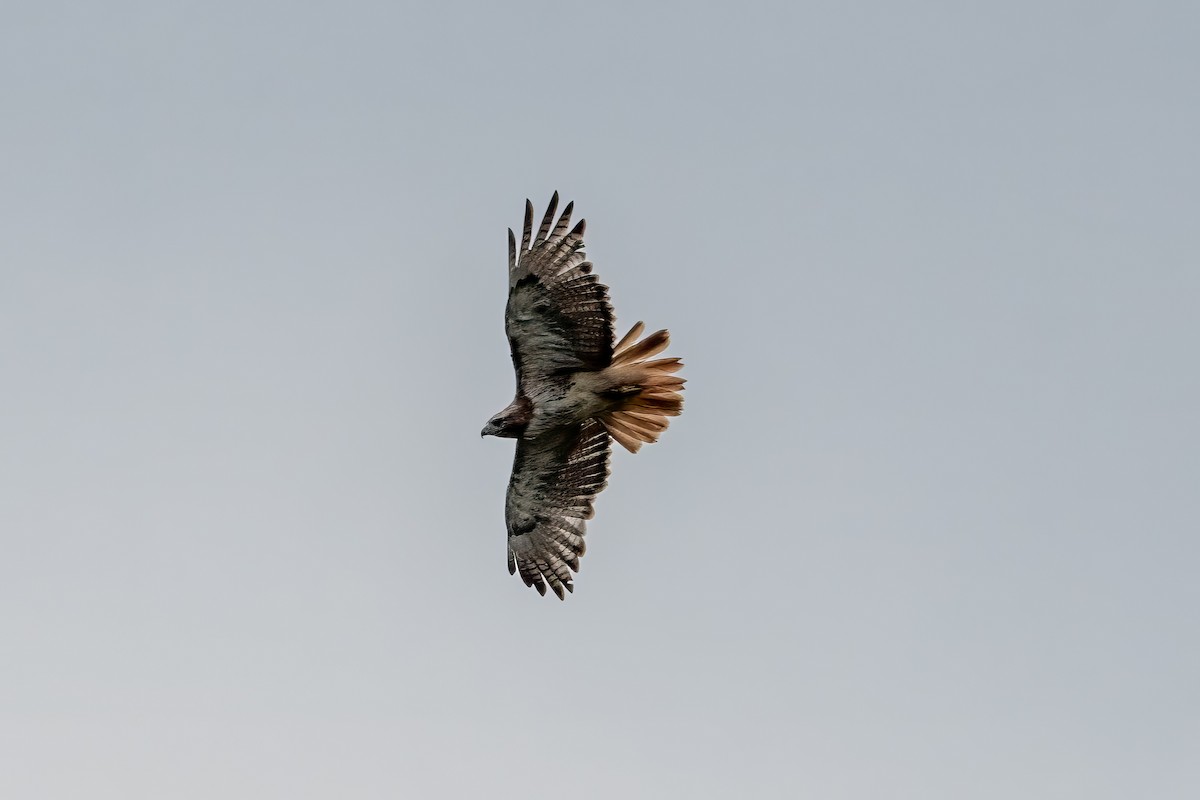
(522, 527)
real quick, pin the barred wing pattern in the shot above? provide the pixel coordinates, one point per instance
(558, 318)
(555, 480)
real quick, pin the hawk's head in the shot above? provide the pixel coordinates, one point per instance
(510, 423)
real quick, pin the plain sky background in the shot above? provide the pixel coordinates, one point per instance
(928, 527)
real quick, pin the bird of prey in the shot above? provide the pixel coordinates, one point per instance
(576, 388)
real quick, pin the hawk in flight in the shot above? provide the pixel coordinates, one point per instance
(576, 388)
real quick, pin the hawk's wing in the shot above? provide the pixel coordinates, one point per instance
(555, 478)
(558, 318)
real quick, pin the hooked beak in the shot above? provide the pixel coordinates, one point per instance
(488, 430)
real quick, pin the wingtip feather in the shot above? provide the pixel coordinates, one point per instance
(527, 232)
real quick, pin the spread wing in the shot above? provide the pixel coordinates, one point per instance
(555, 479)
(558, 317)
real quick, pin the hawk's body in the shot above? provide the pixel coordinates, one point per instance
(575, 390)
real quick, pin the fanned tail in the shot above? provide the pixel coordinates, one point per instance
(645, 392)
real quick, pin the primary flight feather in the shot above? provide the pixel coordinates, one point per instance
(576, 390)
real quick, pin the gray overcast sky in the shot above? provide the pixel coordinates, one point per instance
(927, 528)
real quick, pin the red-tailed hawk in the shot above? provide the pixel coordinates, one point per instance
(575, 389)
